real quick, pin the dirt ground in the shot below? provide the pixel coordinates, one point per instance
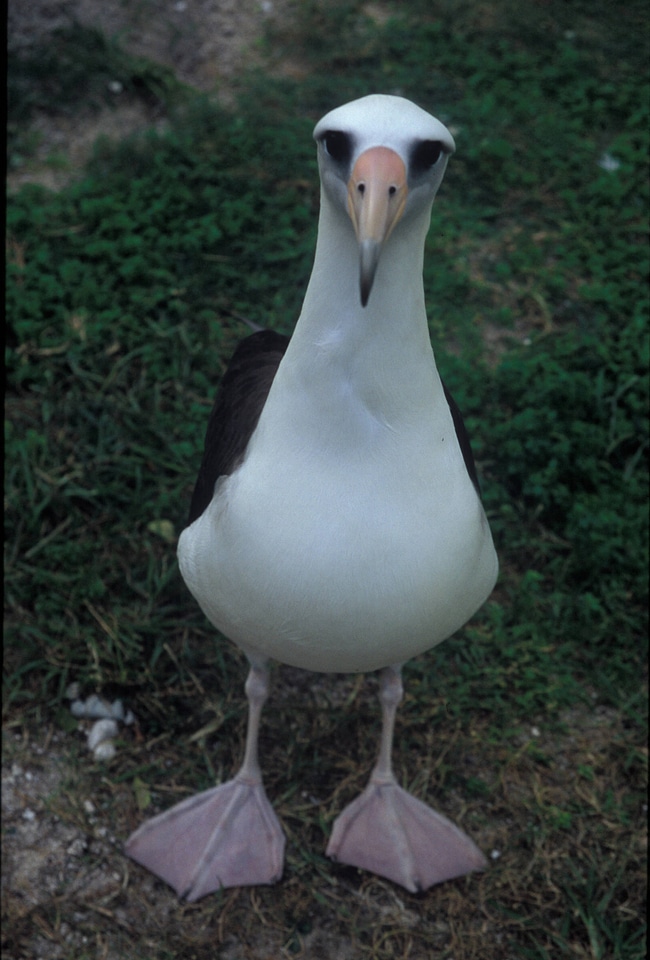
(64, 874)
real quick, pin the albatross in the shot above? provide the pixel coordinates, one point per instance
(336, 523)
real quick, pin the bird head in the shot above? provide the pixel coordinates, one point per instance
(381, 158)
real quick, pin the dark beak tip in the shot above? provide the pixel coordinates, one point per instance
(369, 258)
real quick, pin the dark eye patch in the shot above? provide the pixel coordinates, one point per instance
(425, 155)
(338, 145)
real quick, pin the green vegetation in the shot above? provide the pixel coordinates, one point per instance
(123, 297)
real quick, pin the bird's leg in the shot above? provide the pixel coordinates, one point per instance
(391, 692)
(388, 831)
(257, 693)
(227, 836)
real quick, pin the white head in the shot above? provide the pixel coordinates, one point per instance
(382, 159)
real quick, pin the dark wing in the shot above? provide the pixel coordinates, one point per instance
(463, 439)
(237, 408)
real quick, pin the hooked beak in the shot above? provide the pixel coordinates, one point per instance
(377, 194)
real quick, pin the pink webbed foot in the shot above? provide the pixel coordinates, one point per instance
(228, 836)
(393, 834)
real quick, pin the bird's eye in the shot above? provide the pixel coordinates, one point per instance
(338, 145)
(425, 155)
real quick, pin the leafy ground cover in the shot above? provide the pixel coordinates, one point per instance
(124, 297)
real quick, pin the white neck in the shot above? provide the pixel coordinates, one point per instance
(378, 356)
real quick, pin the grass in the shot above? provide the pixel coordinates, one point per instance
(123, 293)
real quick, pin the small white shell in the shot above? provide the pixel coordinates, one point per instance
(105, 750)
(97, 709)
(94, 708)
(100, 736)
(100, 731)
